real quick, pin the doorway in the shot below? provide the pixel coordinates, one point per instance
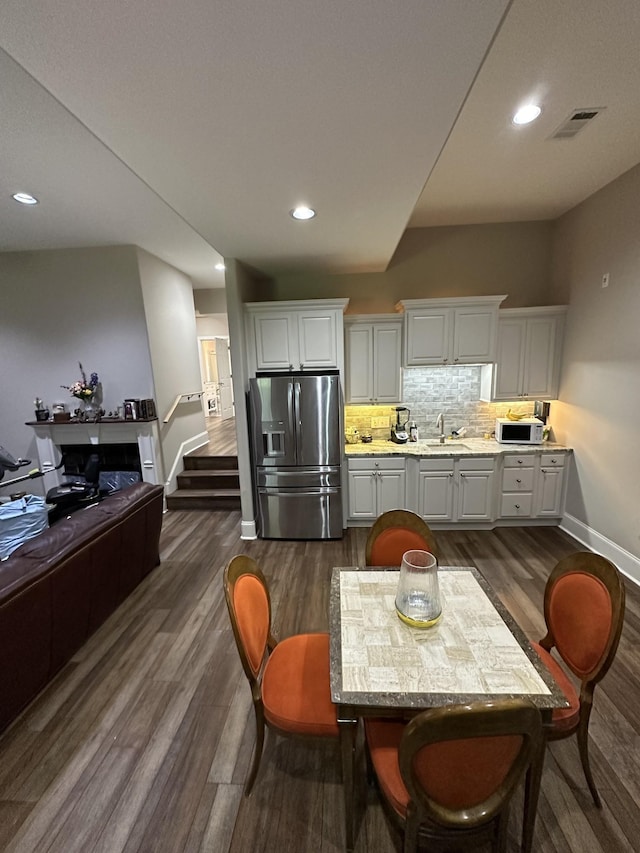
(215, 370)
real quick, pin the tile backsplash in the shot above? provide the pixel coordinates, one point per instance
(427, 391)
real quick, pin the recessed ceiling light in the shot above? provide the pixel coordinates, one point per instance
(24, 198)
(302, 212)
(526, 114)
(220, 266)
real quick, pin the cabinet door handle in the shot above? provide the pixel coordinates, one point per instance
(451, 474)
(518, 481)
(553, 461)
(520, 461)
(517, 506)
(455, 359)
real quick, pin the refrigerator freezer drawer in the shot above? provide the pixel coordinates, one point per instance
(298, 478)
(300, 513)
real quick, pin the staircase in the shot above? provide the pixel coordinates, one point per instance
(207, 482)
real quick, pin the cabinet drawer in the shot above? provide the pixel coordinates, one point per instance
(521, 461)
(377, 463)
(517, 480)
(512, 506)
(436, 464)
(552, 460)
(482, 463)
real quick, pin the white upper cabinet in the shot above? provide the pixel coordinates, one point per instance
(528, 357)
(298, 335)
(450, 331)
(373, 353)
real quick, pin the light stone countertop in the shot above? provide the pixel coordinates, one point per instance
(455, 447)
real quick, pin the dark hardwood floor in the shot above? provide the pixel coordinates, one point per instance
(222, 438)
(143, 741)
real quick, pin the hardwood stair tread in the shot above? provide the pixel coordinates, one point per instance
(185, 493)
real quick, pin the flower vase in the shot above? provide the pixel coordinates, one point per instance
(90, 407)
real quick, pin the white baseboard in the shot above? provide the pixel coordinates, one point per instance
(187, 446)
(594, 541)
(248, 530)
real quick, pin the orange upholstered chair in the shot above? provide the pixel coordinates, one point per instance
(584, 603)
(289, 680)
(451, 773)
(395, 532)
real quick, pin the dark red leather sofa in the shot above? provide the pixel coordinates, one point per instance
(58, 588)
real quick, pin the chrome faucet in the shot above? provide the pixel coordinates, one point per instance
(440, 426)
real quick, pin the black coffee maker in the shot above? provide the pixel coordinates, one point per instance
(399, 432)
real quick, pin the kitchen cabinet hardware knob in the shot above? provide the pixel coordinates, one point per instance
(519, 461)
(518, 481)
(451, 474)
(517, 506)
(553, 461)
(456, 360)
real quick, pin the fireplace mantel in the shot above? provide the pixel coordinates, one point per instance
(51, 436)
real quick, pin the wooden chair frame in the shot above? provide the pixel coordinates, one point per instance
(585, 562)
(400, 518)
(479, 719)
(238, 567)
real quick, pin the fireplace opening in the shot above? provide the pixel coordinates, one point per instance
(114, 466)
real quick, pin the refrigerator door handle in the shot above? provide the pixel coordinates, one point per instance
(296, 408)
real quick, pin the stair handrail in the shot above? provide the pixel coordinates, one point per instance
(181, 398)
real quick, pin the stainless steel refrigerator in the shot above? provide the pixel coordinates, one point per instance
(296, 439)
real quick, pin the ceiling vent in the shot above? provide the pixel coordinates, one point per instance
(578, 120)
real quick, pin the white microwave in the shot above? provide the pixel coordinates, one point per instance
(524, 431)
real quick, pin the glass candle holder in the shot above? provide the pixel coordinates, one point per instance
(418, 596)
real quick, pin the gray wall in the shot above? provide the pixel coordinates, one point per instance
(171, 329)
(466, 260)
(599, 408)
(58, 308)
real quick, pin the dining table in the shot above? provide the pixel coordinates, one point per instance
(382, 667)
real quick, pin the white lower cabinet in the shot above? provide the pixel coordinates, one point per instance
(550, 490)
(435, 489)
(456, 489)
(518, 479)
(376, 484)
(475, 489)
(446, 490)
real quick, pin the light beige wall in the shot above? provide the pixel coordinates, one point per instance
(241, 287)
(213, 326)
(172, 336)
(211, 301)
(469, 260)
(58, 308)
(599, 410)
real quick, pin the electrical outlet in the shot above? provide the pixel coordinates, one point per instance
(605, 280)
(379, 422)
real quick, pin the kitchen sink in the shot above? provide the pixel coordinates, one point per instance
(447, 445)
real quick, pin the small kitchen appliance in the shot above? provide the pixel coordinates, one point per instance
(523, 431)
(399, 432)
(541, 410)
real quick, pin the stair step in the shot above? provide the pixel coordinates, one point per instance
(210, 463)
(216, 479)
(204, 499)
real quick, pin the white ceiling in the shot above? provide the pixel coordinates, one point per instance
(192, 128)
